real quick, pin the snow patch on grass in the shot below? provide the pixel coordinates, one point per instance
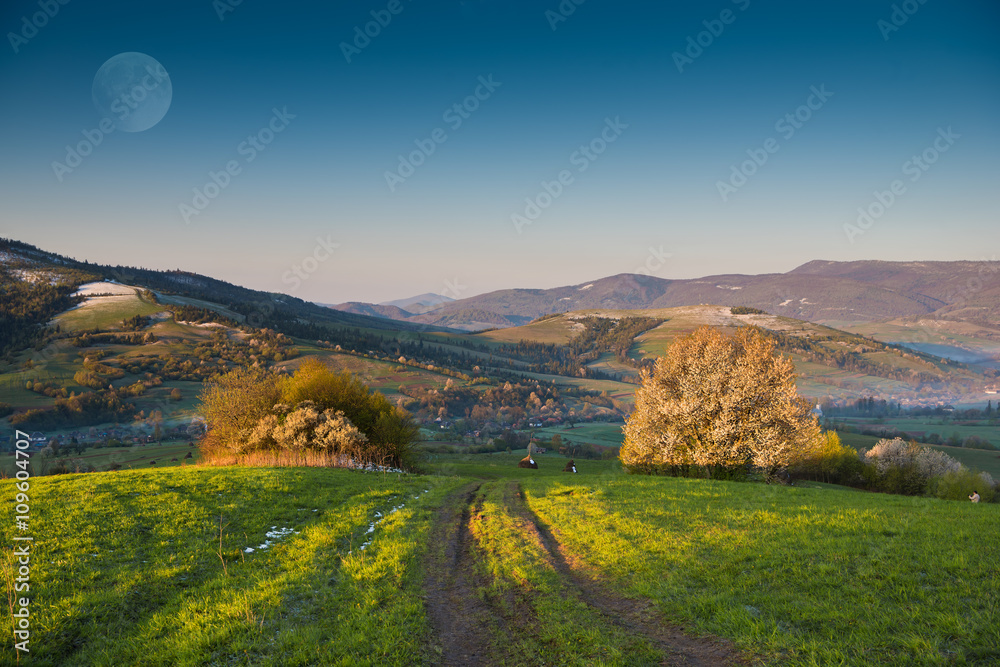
(379, 518)
(273, 535)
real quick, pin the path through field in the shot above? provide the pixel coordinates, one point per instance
(479, 623)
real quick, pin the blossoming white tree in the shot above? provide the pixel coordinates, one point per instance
(716, 403)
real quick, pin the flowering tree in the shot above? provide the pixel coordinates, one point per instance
(896, 453)
(716, 403)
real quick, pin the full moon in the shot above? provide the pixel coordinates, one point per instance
(133, 90)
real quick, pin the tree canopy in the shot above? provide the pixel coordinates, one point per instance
(717, 404)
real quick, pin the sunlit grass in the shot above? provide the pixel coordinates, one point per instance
(128, 567)
(801, 576)
(551, 623)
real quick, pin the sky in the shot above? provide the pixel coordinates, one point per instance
(374, 150)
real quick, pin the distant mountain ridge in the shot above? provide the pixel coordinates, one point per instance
(419, 303)
(818, 291)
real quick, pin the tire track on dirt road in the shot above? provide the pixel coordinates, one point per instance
(470, 626)
(637, 617)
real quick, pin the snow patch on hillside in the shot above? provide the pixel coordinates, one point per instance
(103, 292)
(104, 289)
(35, 276)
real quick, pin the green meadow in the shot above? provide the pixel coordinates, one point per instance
(152, 567)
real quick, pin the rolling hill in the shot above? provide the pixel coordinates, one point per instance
(28, 274)
(127, 345)
(829, 362)
(837, 293)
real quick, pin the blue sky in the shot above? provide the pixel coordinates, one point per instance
(646, 141)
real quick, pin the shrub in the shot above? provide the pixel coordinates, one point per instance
(334, 414)
(830, 461)
(908, 468)
(959, 485)
(234, 403)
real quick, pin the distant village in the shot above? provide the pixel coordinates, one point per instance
(120, 436)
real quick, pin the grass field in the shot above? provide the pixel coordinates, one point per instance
(107, 311)
(132, 457)
(527, 567)
(945, 429)
(597, 433)
(791, 575)
(796, 576)
(127, 567)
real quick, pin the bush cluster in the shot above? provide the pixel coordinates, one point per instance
(830, 461)
(894, 466)
(315, 410)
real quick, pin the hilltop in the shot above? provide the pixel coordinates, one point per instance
(836, 293)
(829, 362)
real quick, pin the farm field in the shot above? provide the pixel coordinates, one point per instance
(527, 567)
(384, 376)
(597, 433)
(128, 458)
(106, 311)
(961, 341)
(981, 429)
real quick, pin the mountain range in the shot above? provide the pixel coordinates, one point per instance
(841, 293)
